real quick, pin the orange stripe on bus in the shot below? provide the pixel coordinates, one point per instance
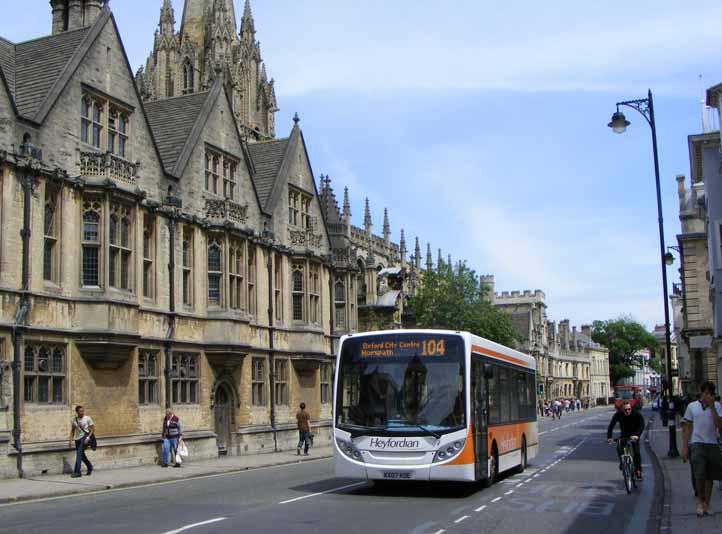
(499, 355)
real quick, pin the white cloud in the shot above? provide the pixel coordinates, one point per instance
(474, 47)
(589, 266)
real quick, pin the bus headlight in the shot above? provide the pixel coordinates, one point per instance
(449, 450)
(349, 449)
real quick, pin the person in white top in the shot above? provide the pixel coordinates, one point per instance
(699, 444)
(81, 430)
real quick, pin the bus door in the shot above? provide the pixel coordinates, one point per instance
(479, 417)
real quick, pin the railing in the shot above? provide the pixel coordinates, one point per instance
(226, 210)
(107, 165)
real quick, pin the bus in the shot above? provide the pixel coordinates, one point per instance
(432, 405)
(629, 393)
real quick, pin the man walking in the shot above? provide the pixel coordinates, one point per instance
(304, 430)
(699, 444)
(172, 432)
(81, 430)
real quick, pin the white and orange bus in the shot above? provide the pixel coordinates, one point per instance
(432, 405)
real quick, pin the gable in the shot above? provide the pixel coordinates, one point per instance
(296, 172)
(99, 68)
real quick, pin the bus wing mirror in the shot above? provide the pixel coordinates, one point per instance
(488, 371)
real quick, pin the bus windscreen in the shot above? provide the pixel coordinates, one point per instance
(401, 383)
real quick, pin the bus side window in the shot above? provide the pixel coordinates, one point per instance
(494, 398)
(506, 397)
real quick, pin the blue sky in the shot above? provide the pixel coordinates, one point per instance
(482, 125)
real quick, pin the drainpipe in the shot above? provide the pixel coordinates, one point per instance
(171, 315)
(175, 204)
(21, 320)
(271, 351)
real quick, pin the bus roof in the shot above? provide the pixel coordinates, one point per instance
(479, 345)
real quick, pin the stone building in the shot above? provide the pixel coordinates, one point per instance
(569, 363)
(695, 351)
(160, 247)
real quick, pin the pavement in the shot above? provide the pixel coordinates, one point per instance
(572, 486)
(679, 513)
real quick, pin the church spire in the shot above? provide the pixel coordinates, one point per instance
(166, 24)
(439, 261)
(346, 207)
(387, 226)
(417, 255)
(248, 27)
(429, 261)
(367, 218)
(402, 247)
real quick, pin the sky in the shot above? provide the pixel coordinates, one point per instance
(482, 126)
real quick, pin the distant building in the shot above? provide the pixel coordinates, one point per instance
(569, 363)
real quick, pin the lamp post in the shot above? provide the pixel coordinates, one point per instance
(619, 124)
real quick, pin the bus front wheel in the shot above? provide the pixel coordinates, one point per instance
(493, 468)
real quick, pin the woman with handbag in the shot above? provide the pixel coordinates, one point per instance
(82, 432)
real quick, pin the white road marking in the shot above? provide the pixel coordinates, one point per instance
(496, 500)
(542, 433)
(480, 508)
(188, 527)
(519, 485)
(509, 492)
(323, 492)
(163, 483)
(440, 531)
(461, 518)
(535, 476)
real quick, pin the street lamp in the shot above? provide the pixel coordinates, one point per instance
(619, 124)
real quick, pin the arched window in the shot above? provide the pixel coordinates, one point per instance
(91, 244)
(298, 291)
(215, 273)
(340, 304)
(188, 77)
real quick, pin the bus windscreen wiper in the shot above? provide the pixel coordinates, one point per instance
(422, 427)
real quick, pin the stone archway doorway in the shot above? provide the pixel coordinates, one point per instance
(223, 416)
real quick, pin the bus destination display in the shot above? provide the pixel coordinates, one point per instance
(404, 347)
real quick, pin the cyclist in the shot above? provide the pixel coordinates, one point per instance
(631, 424)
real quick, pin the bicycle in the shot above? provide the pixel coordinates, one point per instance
(630, 478)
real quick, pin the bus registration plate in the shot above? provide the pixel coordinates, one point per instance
(398, 475)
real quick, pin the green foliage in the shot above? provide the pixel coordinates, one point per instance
(624, 337)
(453, 298)
(656, 365)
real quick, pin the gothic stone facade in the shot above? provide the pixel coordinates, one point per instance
(162, 248)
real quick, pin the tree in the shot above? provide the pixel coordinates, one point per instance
(453, 298)
(625, 338)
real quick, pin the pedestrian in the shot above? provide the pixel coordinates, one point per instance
(579, 405)
(171, 434)
(567, 404)
(82, 429)
(699, 444)
(304, 430)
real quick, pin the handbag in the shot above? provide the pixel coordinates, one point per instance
(182, 449)
(178, 458)
(89, 440)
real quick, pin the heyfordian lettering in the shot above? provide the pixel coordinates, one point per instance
(394, 443)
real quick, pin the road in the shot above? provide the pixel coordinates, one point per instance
(572, 486)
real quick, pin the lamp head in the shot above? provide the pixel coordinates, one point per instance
(619, 122)
(668, 258)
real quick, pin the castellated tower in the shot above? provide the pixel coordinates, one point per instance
(207, 46)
